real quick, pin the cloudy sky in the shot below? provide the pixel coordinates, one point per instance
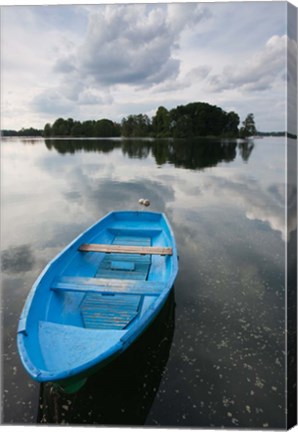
(109, 61)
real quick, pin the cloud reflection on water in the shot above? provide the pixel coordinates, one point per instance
(230, 287)
(260, 200)
(17, 259)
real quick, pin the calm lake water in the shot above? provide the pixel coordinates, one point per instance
(215, 356)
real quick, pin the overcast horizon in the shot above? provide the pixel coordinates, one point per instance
(109, 61)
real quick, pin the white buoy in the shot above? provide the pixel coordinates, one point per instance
(141, 201)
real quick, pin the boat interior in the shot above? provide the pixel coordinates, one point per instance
(96, 291)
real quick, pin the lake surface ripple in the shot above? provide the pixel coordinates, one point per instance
(215, 357)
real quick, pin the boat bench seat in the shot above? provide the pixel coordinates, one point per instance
(107, 286)
(130, 249)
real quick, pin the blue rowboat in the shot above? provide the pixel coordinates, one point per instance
(96, 297)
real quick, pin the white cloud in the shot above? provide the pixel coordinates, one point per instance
(97, 60)
(51, 102)
(259, 72)
(124, 46)
(132, 44)
(180, 17)
(292, 86)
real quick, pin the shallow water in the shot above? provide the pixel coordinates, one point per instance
(215, 357)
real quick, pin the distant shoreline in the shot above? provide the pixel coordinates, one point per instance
(194, 120)
(120, 138)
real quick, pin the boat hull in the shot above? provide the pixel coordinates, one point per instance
(96, 297)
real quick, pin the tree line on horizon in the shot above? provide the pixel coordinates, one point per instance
(29, 132)
(196, 119)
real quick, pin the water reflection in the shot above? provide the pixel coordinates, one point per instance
(194, 154)
(17, 259)
(226, 204)
(64, 146)
(245, 149)
(123, 392)
(190, 154)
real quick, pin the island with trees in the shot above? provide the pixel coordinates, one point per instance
(185, 121)
(193, 120)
